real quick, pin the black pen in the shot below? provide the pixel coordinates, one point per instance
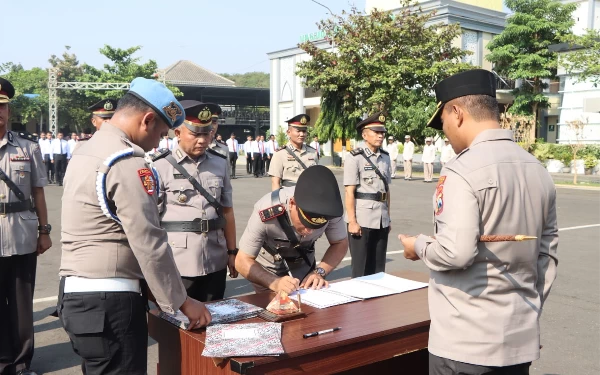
(312, 334)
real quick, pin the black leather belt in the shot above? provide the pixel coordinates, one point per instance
(287, 183)
(379, 196)
(8, 208)
(198, 225)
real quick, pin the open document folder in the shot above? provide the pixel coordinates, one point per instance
(243, 340)
(377, 285)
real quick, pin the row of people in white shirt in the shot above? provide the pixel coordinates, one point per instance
(429, 150)
(51, 146)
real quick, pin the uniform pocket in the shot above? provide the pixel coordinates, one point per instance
(86, 332)
(20, 173)
(178, 240)
(214, 186)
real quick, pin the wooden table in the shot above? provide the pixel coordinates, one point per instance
(381, 335)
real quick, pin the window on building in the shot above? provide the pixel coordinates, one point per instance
(470, 42)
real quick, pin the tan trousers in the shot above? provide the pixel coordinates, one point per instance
(407, 169)
(428, 171)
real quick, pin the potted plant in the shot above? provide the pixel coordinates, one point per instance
(566, 157)
(589, 163)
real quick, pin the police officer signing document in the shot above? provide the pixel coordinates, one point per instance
(112, 239)
(25, 234)
(196, 207)
(282, 232)
(485, 298)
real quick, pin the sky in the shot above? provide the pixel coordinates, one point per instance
(224, 36)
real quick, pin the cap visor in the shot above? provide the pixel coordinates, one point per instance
(436, 120)
(307, 223)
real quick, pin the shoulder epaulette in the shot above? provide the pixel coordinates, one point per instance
(87, 138)
(383, 151)
(159, 154)
(357, 151)
(217, 153)
(28, 136)
(280, 149)
(271, 212)
(311, 147)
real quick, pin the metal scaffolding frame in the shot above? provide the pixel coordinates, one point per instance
(54, 85)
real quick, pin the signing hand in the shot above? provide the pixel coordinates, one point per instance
(196, 312)
(286, 284)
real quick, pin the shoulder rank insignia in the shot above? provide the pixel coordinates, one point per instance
(217, 153)
(310, 147)
(383, 151)
(147, 179)
(357, 151)
(271, 212)
(28, 136)
(159, 154)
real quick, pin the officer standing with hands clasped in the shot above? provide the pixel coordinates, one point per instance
(112, 239)
(25, 234)
(485, 298)
(281, 233)
(295, 157)
(367, 175)
(196, 207)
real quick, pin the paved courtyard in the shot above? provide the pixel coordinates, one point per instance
(570, 322)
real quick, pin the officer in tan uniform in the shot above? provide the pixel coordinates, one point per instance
(485, 298)
(280, 236)
(215, 145)
(102, 112)
(367, 175)
(112, 239)
(25, 234)
(198, 215)
(295, 157)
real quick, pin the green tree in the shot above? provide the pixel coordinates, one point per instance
(382, 61)
(521, 50)
(584, 60)
(251, 79)
(27, 82)
(123, 67)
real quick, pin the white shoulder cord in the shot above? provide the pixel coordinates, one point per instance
(101, 181)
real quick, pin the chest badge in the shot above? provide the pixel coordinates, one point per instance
(439, 195)
(181, 198)
(370, 181)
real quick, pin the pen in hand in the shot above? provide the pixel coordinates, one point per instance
(312, 334)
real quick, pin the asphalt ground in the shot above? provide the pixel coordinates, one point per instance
(570, 322)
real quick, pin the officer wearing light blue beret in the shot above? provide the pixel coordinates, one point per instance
(112, 238)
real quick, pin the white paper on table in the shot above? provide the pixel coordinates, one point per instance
(249, 333)
(393, 282)
(322, 298)
(221, 309)
(377, 285)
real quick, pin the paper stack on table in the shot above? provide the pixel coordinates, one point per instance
(225, 311)
(243, 340)
(357, 289)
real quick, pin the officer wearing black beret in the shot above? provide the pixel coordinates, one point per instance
(485, 298)
(25, 234)
(277, 249)
(367, 175)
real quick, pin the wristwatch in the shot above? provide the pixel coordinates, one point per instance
(233, 252)
(45, 228)
(320, 271)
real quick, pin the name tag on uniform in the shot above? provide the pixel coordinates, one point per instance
(311, 158)
(368, 168)
(178, 176)
(290, 158)
(20, 158)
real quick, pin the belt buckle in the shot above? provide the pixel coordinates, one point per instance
(383, 197)
(203, 223)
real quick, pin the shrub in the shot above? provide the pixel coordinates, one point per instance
(590, 161)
